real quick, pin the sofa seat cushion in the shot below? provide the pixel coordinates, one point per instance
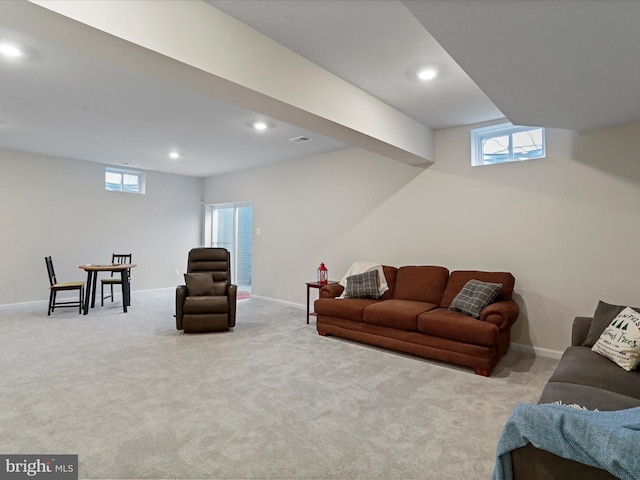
(205, 304)
(347, 308)
(582, 366)
(421, 283)
(400, 314)
(445, 323)
(585, 396)
(411, 342)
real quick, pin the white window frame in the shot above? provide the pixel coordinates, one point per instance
(210, 236)
(479, 135)
(141, 176)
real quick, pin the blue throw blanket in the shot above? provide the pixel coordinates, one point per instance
(605, 440)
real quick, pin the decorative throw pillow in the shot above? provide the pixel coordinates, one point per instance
(474, 296)
(602, 317)
(220, 287)
(362, 285)
(199, 284)
(620, 341)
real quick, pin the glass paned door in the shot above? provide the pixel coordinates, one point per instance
(223, 226)
(231, 227)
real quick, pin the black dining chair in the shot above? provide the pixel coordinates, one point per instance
(56, 287)
(116, 258)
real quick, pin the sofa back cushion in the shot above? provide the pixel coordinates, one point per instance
(390, 274)
(602, 318)
(459, 278)
(423, 283)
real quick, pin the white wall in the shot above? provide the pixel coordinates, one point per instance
(299, 207)
(58, 207)
(565, 226)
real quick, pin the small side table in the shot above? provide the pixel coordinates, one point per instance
(317, 285)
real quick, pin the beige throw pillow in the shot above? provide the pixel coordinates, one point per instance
(620, 341)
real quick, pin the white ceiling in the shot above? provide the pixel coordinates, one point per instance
(377, 46)
(560, 64)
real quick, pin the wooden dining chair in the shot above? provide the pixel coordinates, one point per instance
(116, 258)
(56, 287)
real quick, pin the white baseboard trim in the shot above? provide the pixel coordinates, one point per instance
(291, 304)
(541, 352)
(117, 293)
(34, 302)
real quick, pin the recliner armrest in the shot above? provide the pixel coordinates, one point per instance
(233, 294)
(331, 291)
(503, 314)
(181, 295)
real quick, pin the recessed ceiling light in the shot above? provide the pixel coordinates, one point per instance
(174, 155)
(260, 125)
(9, 50)
(427, 74)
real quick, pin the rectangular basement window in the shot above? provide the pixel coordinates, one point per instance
(124, 180)
(506, 143)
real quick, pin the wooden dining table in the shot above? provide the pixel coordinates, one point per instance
(92, 278)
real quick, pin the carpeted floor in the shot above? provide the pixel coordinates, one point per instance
(134, 398)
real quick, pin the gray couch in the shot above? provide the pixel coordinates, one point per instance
(584, 378)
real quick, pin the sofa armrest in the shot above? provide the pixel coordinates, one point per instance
(181, 295)
(331, 291)
(503, 314)
(529, 463)
(580, 330)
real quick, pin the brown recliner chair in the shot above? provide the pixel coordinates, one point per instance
(207, 303)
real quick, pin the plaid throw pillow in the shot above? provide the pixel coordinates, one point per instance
(363, 285)
(474, 296)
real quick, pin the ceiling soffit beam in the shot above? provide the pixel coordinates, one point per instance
(204, 49)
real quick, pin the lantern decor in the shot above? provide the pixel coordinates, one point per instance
(323, 274)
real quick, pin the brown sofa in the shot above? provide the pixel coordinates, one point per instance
(413, 316)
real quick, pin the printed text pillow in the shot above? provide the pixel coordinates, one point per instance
(602, 317)
(620, 341)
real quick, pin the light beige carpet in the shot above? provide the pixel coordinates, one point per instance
(134, 398)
